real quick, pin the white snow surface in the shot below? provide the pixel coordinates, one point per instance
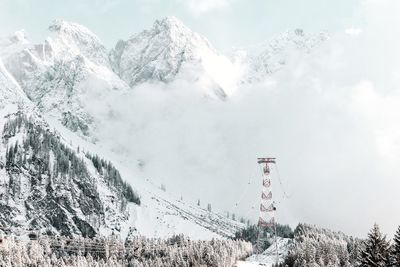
(268, 257)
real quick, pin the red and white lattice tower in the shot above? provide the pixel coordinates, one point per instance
(267, 206)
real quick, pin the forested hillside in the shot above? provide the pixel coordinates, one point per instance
(50, 186)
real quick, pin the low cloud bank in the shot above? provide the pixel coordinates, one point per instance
(330, 117)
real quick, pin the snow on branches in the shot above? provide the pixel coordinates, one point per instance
(137, 251)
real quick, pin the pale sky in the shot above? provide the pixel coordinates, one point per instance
(226, 23)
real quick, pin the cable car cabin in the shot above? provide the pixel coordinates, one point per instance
(32, 236)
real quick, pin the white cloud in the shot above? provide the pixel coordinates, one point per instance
(353, 31)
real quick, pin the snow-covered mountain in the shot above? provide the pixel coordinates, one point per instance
(66, 89)
(170, 50)
(71, 39)
(57, 79)
(267, 58)
(72, 67)
(61, 74)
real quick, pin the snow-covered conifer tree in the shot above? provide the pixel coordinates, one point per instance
(376, 250)
(396, 248)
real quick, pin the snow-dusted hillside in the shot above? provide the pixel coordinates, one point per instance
(162, 215)
(49, 186)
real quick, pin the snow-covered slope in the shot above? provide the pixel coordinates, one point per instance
(10, 91)
(163, 215)
(51, 185)
(170, 50)
(270, 255)
(160, 214)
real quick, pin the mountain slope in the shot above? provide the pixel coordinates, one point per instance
(49, 186)
(52, 187)
(10, 93)
(160, 213)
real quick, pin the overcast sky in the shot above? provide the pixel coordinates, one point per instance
(225, 23)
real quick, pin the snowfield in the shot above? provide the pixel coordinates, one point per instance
(268, 257)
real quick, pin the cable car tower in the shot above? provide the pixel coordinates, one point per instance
(267, 206)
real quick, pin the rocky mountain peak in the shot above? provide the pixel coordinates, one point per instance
(73, 39)
(169, 23)
(159, 53)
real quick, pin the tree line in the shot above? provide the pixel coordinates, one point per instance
(42, 153)
(177, 250)
(113, 177)
(252, 232)
(318, 247)
(378, 251)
